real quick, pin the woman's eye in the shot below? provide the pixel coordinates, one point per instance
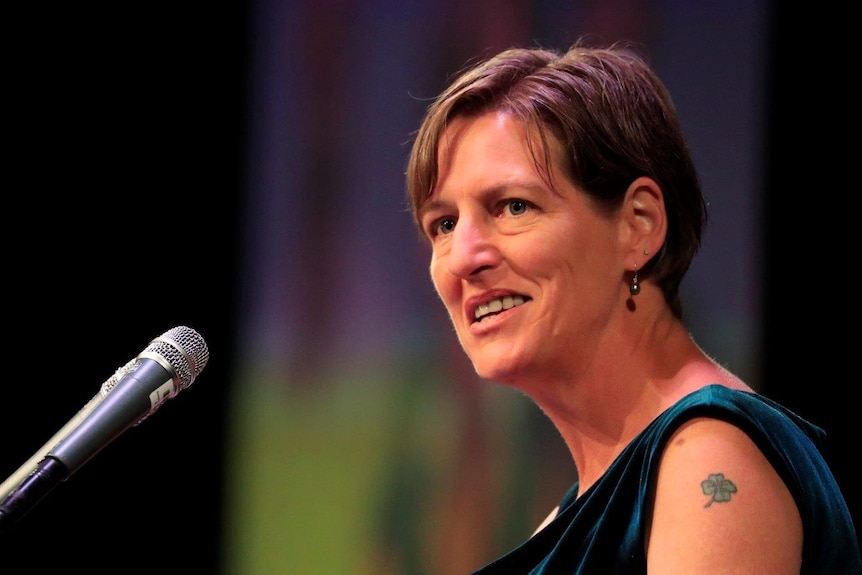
(445, 226)
(517, 207)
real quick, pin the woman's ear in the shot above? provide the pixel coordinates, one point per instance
(643, 222)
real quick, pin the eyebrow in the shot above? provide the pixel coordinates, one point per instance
(429, 206)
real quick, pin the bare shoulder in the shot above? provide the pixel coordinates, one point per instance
(720, 507)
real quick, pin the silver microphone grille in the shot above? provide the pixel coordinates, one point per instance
(184, 349)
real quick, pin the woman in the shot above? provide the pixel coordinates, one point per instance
(563, 210)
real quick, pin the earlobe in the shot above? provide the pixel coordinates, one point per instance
(644, 221)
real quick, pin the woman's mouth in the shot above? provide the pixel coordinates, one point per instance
(497, 305)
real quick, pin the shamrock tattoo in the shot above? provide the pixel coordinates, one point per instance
(719, 487)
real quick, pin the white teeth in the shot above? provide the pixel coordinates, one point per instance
(498, 304)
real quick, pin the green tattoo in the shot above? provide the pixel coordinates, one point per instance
(719, 487)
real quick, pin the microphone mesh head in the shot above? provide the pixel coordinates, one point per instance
(184, 349)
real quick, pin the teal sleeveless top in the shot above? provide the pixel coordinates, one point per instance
(602, 532)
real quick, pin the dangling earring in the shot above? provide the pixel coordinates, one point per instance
(635, 287)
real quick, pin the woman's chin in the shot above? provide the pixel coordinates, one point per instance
(501, 369)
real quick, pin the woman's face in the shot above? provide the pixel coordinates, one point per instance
(530, 275)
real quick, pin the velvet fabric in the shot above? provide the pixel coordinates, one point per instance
(602, 532)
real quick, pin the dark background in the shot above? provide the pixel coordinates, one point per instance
(810, 224)
(123, 137)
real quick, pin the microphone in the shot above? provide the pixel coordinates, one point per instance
(30, 465)
(169, 364)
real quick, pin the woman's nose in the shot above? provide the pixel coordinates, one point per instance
(473, 248)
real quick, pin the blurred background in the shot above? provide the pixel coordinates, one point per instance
(238, 168)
